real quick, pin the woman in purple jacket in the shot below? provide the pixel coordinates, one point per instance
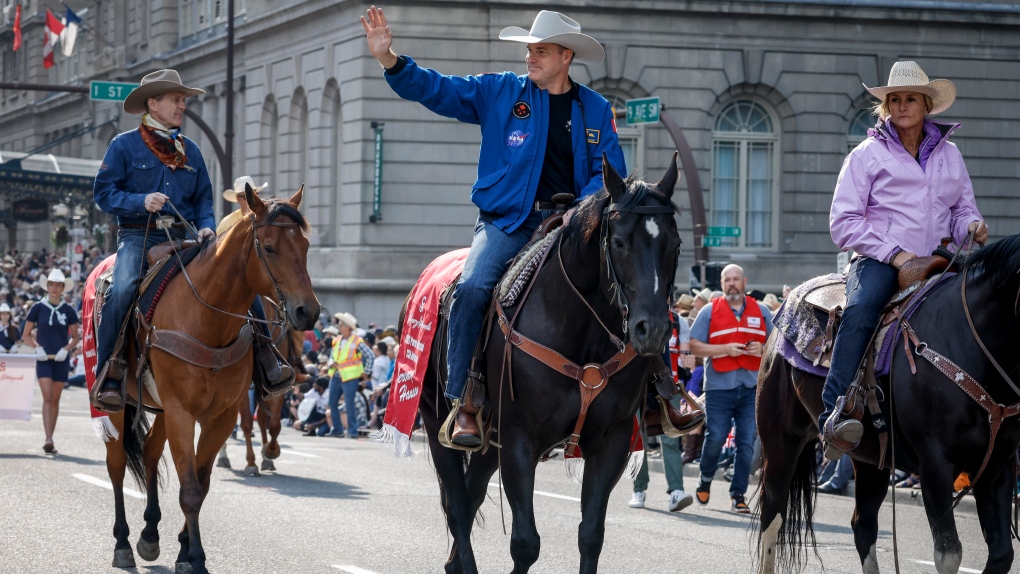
(899, 193)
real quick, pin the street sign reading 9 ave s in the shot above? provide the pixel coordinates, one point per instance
(110, 91)
(643, 111)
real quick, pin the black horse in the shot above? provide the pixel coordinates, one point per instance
(626, 232)
(938, 430)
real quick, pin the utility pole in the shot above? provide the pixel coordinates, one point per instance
(228, 136)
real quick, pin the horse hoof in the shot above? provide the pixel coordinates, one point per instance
(272, 450)
(182, 568)
(149, 551)
(123, 558)
(223, 462)
(251, 471)
(268, 465)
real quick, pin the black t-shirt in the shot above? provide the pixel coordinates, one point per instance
(558, 166)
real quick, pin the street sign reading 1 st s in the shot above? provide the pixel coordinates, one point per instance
(643, 111)
(723, 232)
(110, 91)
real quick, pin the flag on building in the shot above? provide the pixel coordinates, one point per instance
(52, 30)
(70, 33)
(17, 27)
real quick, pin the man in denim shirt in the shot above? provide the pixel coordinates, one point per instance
(143, 170)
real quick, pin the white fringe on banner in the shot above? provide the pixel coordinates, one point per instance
(634, 463)
(574, 468)
(401, 443)
(104, 429)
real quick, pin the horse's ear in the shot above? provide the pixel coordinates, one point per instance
(255, 202)
(668, 181)
(295, 199)
(611, 179)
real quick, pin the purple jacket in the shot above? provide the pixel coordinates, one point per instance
(884, 199)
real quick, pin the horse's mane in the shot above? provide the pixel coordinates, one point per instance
(999, 262)
(588, 216)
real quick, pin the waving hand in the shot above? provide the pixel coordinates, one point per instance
(379, 36)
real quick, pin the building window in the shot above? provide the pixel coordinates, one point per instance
(632, 138)
(858, 130)
(744, 167)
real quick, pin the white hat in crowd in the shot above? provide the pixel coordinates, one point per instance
(238, 189)
(56, 276)
(347, 319)
(331, 330)
(5, 308)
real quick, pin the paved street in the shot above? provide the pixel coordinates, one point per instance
(341, 505)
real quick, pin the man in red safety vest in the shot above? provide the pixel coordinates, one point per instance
(730, 332)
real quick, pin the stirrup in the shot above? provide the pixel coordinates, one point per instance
(446, 431)
(668, 428)
(110, 370)
(835, 445)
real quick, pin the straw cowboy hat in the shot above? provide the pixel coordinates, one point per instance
(56, 276)
(238, 189)
(909, 77)
(685, 301)
(347, 319)
(555, 28)
(153, 85)
(705, 295)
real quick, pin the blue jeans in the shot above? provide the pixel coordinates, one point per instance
(838, 472)
(869, 287)
(348, 389)
(723, 409)
(492, 249)
(132, 247)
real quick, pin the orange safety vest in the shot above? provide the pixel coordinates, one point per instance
(348, 357)
(724, 328)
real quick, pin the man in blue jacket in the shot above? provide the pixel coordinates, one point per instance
(542, 134)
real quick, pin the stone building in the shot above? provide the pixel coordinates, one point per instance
(769, 94)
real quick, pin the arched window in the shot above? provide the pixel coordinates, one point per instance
(269, 134)
(632, 138)
(744, 168)
(858, 129)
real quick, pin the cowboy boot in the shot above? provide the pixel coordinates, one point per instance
(467, 428)
(843, 430)
(108, 392)
(676, 423)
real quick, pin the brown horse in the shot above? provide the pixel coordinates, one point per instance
(289, 341)
(265, 254)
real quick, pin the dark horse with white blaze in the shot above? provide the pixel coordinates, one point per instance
(939, 431)
(264, 253)
(619, 255)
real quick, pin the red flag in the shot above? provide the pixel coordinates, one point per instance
(52, 31)
(17, 28)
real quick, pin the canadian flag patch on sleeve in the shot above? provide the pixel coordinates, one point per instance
(613, 121)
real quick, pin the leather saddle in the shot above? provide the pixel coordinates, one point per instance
(831, 300)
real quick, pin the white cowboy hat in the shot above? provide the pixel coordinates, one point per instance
(231, 194)
(56, 276)
(909, 77)
(331, 330)
(154, 84)
(5, 308)
(347, 319)
(555, 28)
(390, 341)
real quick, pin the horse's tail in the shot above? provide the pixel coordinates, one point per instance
(134, 443)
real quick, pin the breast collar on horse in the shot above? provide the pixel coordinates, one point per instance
(591, 377)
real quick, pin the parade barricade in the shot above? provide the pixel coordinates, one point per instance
(17, 382)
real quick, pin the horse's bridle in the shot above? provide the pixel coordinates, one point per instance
(606, 255)
(619, 297)
(284, 320)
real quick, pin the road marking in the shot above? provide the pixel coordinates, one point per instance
(549, 494)
(352, 569)
(289, 451)
(962, 569)
(64, 411)
(106, 484)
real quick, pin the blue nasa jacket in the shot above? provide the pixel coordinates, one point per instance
(514, 117)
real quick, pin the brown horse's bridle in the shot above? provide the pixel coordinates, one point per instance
(284, 321)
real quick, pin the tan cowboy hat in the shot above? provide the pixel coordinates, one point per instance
(56, 276)
(347, 319)
(685, 301)
(555, 28)
(154, 84)
(705, 295)
(231, 194)
(909, 77)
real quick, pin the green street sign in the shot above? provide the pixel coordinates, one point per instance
(711, 241)
(110, 91)
(723, 232)
(643, 111)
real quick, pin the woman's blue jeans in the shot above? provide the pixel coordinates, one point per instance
(492, 249)
(869, 287)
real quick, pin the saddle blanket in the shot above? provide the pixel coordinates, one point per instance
(101, 422)
(801, 323)
(416, 335)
